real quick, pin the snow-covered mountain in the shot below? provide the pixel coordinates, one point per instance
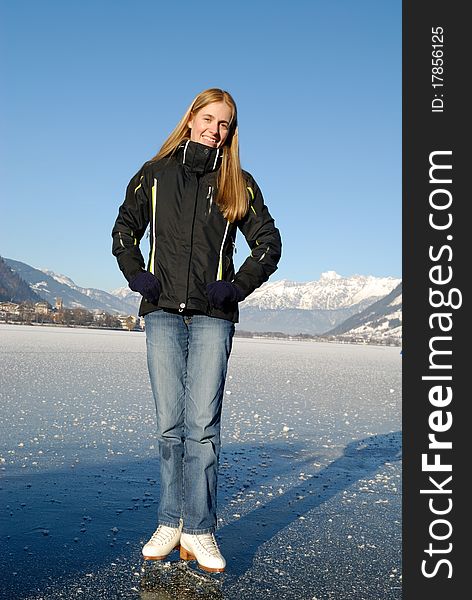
(313, 307)
(330, 292)
(49, 286)
(126, 294)
(381, 320)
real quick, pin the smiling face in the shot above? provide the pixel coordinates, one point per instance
(210, 125)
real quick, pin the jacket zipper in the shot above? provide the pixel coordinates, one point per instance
(182, 305)
(219, 274)
(210, 197)
(153, 248)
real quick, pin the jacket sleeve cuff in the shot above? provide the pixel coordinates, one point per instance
(244, 290)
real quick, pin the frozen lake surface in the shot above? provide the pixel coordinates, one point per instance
(309, 480)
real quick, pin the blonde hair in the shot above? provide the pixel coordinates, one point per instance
(231, 196)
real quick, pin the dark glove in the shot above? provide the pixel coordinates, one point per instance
(223, 293)
(147, 285)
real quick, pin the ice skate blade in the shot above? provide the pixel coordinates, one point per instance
(160, 557)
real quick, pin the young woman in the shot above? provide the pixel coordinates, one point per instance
(194, 196)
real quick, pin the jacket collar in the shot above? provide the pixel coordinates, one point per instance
(199, 158)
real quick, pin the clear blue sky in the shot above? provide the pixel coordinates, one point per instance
(91, 88)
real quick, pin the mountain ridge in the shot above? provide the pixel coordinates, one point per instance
(49, 285)
(379, 320)
(315, 307)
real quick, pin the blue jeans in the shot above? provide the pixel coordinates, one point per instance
(187, 359)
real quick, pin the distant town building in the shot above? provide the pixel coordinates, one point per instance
(41, 308)
(130, 322)
(9, 309)
(58, 305)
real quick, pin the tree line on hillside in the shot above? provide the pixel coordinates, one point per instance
(13, 288)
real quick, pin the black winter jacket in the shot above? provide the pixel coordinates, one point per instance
(191, 243)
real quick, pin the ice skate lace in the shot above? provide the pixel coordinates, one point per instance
(163, 534)
(208, 543)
